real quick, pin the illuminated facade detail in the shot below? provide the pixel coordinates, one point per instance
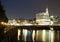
(43, 18)
(47, 9)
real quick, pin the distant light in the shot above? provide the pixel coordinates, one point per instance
(19, 21)
(5, 23)
(51, 28)
(44, 14)
(17, 24)
(11, 24)
(51, 22)
(28, 24)
(51, 16)
(2, 22)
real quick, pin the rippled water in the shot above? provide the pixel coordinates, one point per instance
(39, 35)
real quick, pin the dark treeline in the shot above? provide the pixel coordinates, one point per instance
(3, 18)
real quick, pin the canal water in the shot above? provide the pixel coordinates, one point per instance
(43, 35)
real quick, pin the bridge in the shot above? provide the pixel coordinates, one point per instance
(34, 27)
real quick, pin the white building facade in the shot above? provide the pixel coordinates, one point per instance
(43, 18)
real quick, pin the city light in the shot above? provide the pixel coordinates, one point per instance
(52, 16)
(51, 22)
(28, 24)
(2, 22)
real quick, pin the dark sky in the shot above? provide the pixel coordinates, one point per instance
(28, 8)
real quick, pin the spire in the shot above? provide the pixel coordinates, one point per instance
(46, 6)
(47, 9)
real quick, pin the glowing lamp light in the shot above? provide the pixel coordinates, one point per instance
(28, 24)
(52, 16)
(2, 22)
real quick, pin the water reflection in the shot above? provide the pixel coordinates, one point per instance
(39, 35)
(24, 35)
(33, 36)
(19, 34)
(43, 35)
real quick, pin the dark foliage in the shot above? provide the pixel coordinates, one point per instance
(2, 14)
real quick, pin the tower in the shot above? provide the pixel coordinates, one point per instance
(46, 9)
(43, 18)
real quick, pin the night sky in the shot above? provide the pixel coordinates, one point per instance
(28, 8)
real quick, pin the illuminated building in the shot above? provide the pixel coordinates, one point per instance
(43, 18)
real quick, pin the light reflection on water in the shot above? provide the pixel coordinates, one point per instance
(24, 35)
(33, 35)
(40, 35)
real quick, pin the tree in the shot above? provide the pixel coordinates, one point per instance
(2, 14)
